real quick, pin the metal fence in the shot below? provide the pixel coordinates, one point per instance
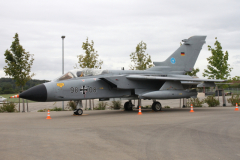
(232, 90)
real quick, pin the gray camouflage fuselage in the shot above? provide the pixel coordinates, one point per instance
(111, 85)
(165, 80)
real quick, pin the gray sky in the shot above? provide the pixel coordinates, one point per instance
(116, 27)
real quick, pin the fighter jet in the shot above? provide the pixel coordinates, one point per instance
(166, 80)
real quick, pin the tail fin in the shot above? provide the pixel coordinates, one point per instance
(184, 58)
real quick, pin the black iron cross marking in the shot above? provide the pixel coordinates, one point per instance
(84, 90)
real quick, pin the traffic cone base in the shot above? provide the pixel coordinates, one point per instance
(236, 109)
(48, 116)
(139, 111)
(191, 108)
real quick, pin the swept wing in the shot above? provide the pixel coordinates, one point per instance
(142, 77)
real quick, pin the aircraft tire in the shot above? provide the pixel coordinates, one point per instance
(128, 106)
(78, 112)
(156, 106)
(75, 112)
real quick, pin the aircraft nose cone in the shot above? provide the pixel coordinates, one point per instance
(36, 93)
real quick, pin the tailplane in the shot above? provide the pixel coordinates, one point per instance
(184, 58)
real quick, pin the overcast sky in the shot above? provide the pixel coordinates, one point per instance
(116, 27)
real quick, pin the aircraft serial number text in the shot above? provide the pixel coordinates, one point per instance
(84, 89)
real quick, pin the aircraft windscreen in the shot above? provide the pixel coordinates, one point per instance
(88, 72)
(81, 73)
(66, 76)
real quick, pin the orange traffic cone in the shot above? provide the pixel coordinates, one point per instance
(16, 96)
(236, 109)
(48, 115)
(191, 108)
(139, 111)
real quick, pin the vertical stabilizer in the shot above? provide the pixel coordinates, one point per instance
(184, 58)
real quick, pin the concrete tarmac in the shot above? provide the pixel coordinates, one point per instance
(208, 133)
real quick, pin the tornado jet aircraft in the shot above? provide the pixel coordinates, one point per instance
(166, 80)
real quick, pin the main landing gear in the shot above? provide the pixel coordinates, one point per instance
(156, 106)
(78, 112)
(128, 106)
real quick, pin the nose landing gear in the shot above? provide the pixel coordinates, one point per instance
(78, 110)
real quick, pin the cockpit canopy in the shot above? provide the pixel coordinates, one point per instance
(81, 73)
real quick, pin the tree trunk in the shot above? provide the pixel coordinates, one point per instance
(90, 104)
(224, 98)
(27, 105)
(180, 103)
(23, 102)
(23, 105)
(86, 105)
(19, 104)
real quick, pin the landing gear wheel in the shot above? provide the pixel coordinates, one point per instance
(128, 106)
(156, 106)
(78, 112)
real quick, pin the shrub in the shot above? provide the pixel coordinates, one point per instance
(8, 107)
(166, 107)
(146, 107)
(234, 99)
(101, 106)
(56, 109)
(43, 110)
(116, 104)
(72, 105)
(195, 102)
(211, 101)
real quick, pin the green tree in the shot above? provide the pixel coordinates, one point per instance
(90, 59)
(140, 60)
(19, 63)
(234, 82)
(193, 72)
(218, 67)
(236, 78)
(8, 88)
